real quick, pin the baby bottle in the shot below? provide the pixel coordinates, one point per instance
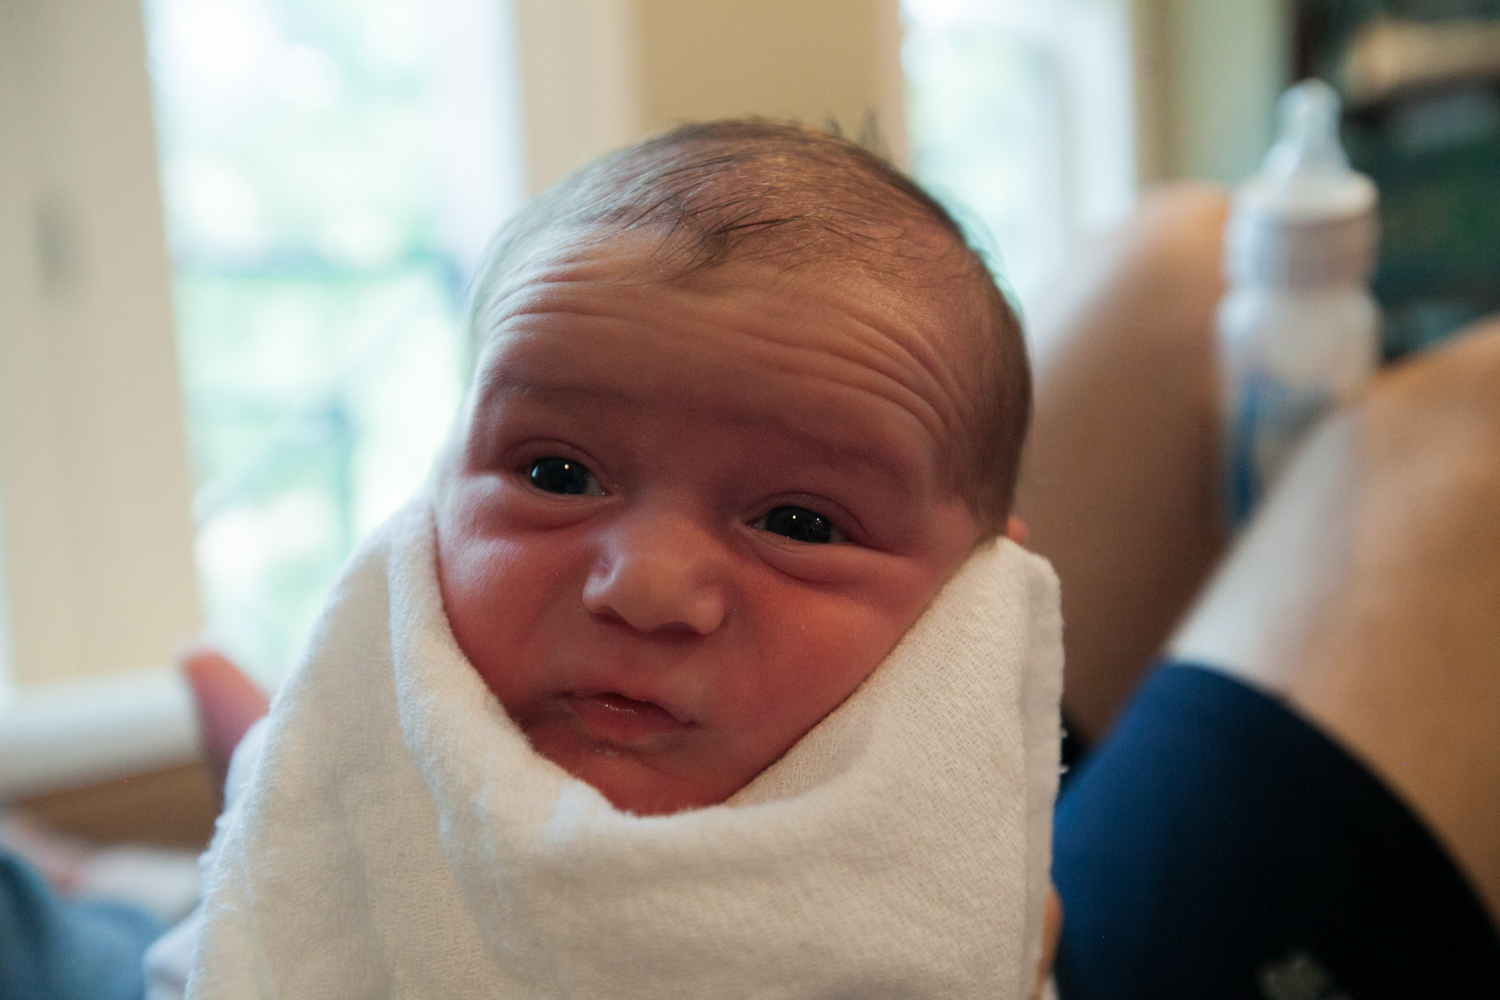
(1298, 331)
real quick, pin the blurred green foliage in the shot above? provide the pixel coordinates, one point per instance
(318, 318)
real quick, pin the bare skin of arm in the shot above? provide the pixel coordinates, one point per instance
(1118, 484)
(1368, 593)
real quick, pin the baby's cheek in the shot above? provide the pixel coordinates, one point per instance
(822, 653)
(471, 574)
(844, 637)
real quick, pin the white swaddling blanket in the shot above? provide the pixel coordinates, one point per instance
(399, 836)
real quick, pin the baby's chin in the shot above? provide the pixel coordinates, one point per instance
(646, 781)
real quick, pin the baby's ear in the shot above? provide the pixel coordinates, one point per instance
(1016, 530)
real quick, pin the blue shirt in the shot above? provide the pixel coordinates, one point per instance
(57, 949)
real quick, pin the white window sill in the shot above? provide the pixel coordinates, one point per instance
(81, 732)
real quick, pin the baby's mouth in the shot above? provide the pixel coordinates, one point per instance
(614, 717)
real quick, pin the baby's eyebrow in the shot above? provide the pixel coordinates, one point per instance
(514, 381)
(842, 454)
(840, 451)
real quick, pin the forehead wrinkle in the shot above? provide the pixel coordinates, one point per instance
(870, 346)
(900, 347)
(941, 368)
(934, 389)
(873, 359)
(932, 295)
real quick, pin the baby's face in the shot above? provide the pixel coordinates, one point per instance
(686, 520)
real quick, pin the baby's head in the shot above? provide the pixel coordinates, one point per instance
(744, 400)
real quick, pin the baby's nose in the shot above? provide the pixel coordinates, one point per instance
(659, 572)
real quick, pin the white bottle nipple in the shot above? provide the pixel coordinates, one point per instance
(1307, 136)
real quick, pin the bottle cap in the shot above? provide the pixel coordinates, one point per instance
(1306, 220)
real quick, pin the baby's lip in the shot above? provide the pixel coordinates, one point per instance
(614, 716)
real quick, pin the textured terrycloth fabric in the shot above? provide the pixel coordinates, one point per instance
(399, 837)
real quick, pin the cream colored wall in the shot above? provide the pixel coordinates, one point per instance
(784, 58)
(95, 534)
(600, 73)
(581, 82)
(1207, 78)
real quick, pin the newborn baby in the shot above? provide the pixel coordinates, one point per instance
(744, 402)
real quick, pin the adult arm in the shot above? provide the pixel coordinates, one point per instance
(1367, 594)
(1119, 485)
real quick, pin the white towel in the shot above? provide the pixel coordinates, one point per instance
(399, 837)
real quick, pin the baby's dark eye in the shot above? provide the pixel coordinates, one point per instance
(563, 475)
(800, 525)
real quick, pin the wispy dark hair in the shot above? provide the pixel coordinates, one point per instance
(745, 189)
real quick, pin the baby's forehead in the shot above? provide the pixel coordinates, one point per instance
(587, 286)
(927, 290)
(603, 319)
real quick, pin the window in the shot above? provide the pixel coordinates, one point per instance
(321, 243)
(1020, 117)
(323, 218)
